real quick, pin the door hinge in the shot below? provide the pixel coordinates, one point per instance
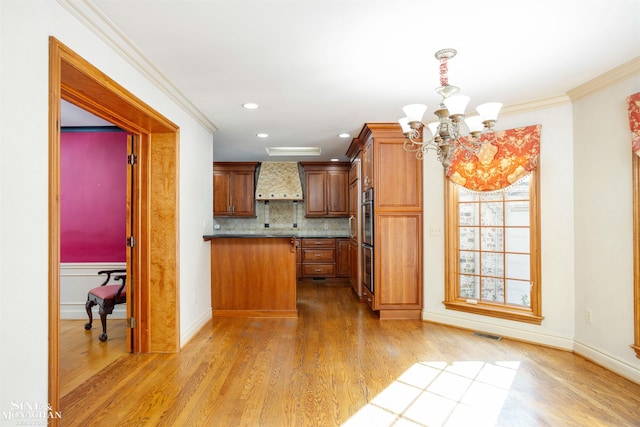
(132, 159)
(131, 322)
(131, 241)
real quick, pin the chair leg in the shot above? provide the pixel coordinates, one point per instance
(88, 306)
(104, 311)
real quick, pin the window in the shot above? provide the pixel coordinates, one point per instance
(492, 248)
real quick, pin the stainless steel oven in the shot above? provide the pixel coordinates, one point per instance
(367, 217)
(367, 240)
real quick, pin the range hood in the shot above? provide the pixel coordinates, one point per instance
(279, 181)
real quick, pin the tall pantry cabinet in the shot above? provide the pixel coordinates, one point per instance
(396, 178)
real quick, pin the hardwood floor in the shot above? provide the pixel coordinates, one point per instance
(337, 364)
(82, 355)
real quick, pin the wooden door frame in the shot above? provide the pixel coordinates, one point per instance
(155, 203)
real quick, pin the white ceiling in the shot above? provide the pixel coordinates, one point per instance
(319, 68)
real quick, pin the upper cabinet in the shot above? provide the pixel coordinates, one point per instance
(233, 189)
(393, 173)
(327, 187)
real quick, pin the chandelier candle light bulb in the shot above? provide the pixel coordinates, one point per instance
(445, 133)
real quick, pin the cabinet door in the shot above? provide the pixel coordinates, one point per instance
(367, 167)
(241, 190)
(233, 188)
(354, 278)
(221, 200)
(337, 193)
(344, 258)
(315, 204)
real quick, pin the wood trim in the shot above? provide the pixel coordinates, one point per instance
(636, 255)
(155, 202)
(162, 240)
(54, 229)
(452, 262)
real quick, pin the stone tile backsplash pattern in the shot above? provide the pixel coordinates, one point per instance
(281, 215)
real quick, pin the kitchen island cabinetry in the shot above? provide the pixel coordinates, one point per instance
(233, 189)
(253, 276)
(327, 186)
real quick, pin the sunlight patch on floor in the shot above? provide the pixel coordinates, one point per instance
(434, 394)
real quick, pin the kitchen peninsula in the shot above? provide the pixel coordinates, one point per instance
(253, 275)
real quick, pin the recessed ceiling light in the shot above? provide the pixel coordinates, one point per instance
(250, 105)
(335, 160)
(344, 135)
(262, 135)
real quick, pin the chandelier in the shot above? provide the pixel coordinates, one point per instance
(445, 134)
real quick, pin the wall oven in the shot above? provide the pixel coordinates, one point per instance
(367, 240)
(367, 217)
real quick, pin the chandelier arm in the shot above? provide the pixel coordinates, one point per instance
(447, 131)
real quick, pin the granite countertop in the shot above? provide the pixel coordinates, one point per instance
(262, 236)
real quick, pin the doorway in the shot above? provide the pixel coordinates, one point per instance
(95, 192)
(154, 203)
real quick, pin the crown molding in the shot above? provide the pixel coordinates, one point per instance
(92, 18)
(609, 78)
(537, 104)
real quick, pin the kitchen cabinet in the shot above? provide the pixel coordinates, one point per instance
(367, 166)
(354, 224)
(396, 178)
(298, 261)
(354, 265)
(318, 257)
(253, 277)
(343, 260)
(233, 189)
(326, 190)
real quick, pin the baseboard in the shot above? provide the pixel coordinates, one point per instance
(78, 311)
(606, 361)
(563, 343)
(195, 328)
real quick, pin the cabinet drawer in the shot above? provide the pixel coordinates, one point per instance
(319, 255)
(318, 243)
(318, 270)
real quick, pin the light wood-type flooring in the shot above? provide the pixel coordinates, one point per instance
(337, 364)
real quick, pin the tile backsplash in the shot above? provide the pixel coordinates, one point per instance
(283, 217)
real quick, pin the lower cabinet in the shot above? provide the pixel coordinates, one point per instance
(318, 257)
(343, 262)
(324, 257)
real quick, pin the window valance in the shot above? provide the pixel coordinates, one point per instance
(634, 121)
(500, 163)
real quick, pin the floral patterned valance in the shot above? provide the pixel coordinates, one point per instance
(500, 163)
(634, 121)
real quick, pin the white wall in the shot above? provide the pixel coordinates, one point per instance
(556, 186)
(603, 228)
(586, 215)
(25, 27)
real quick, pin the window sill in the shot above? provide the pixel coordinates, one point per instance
(501, 312)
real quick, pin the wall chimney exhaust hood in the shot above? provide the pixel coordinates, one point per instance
(279, 181)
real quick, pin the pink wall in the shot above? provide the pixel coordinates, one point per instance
(93, 177)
